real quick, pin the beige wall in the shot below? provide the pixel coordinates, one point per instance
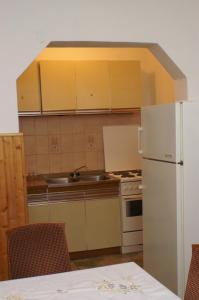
(158, 85)
(28, 26)
(56, 144)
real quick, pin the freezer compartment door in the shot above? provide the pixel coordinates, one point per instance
(161, 132)
(160, 221)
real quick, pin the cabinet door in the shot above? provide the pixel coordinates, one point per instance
(103, 226)
(125, 84)
(92, 83)
(72, 213)
(38, 213)
(58, 85)
(28, 89)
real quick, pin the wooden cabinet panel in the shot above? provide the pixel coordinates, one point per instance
(28, 89)
(73, 214)
(103, 226)
(125, 84)
(71, 85)
(38, 213)
(58, 85)
(92, 84)
(13, 207)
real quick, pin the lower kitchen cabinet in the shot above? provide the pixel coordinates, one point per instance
(72, 213)
(103, 223)
(90, 224)
(38, 213)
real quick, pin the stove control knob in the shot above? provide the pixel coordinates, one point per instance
(140, 187)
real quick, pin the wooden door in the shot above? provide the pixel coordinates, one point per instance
(103, 226)
(125, 84)
(58, 85)
(92, 83)
(72, 213)
(28, 89)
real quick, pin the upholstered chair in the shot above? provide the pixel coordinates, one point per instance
(192, 288)
(37, 249)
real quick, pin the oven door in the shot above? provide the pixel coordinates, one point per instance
(132, 213)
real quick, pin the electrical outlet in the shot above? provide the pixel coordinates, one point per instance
(54, 144)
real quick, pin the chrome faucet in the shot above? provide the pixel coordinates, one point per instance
(75, 173)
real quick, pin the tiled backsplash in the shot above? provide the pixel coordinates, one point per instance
(56, 144)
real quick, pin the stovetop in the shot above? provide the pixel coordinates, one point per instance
(130, 175)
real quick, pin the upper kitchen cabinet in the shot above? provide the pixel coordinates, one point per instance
(92, 85)
(58, 85)
(125, 84)
(28, 89)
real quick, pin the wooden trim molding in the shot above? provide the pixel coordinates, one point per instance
(13, 207)
(94, 253)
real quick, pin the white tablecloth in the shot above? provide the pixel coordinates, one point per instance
(122, 282)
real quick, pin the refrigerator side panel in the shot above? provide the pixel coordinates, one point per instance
(160, 221)
(160, 136)
(191, 178)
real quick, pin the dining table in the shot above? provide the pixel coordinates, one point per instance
(125, 281)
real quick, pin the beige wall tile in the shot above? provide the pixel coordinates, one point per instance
(54, 125)
(30, 145)
(42, 144)
(67, 144)
(101, 164)
(54, 144)
(92, 160)
(55, 163)
(66, 124)
(27, 125)
(67, 162)
(68, 138)
(92, 123)
(91, 141)
(100, 142)
(79, 159)
(78, 124)
(41, 125)
(79, 142)
(31, 164)
(43, 164)
(104, 120)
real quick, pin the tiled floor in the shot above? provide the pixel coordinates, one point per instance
(99, 261)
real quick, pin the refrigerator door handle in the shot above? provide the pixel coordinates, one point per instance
(140, 130)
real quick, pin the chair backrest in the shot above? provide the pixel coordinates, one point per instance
(192, 288)
(37, 249)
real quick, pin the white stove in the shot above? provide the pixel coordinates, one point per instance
(132, 175)
(131, 204)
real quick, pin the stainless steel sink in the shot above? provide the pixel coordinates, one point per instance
(58, 180)
(64, 181)
(93, 177)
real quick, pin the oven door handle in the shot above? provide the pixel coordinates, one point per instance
(133, 198)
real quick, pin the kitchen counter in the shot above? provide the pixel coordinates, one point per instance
(37, 184)
(90, 210)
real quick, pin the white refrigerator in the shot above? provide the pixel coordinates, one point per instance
(169, 144)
